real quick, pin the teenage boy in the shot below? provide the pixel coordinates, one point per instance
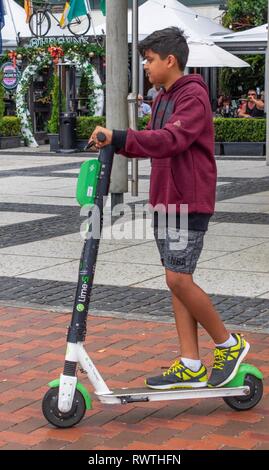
(180, 142)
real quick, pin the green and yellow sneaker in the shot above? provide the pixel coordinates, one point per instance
(178, 376)
(227, 362)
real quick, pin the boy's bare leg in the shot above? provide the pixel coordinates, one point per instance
(186, 329)
(199, 306)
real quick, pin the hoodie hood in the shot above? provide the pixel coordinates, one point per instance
(163, 106)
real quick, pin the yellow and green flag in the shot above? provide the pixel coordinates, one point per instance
(28, 7)
(74, 9)
(103, 7)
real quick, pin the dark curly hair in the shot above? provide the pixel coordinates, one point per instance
(167, 41)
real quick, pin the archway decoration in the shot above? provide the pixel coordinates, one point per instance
(45, 59)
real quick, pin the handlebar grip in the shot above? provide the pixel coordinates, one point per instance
(101, 137)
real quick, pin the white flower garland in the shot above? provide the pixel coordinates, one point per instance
(28, 74)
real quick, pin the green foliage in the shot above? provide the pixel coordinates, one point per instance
(29, 54)
(240, 130)
(226, 130)
(231, 130)
(2, 94)
(86, 125)
(83, 87)
(10, 126)
(142, 122)
(230, 80)
(53, 123)
(243, 14)
(86, 91)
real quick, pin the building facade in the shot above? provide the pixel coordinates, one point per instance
(213, 9)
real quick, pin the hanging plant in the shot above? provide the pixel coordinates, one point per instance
(29, 54)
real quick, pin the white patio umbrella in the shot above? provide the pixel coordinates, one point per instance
(207, 54)
(250, 41)
(253, 34)
(15, 24)
(160, 14)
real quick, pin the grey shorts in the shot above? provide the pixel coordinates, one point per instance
(179, 249)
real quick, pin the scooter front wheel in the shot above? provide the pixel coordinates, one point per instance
(55, 416)
(247, 402)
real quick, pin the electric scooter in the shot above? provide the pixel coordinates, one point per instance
(67, 400)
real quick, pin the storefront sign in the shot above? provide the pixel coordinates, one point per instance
(39, 42)
(11, 75)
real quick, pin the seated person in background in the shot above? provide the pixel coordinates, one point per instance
(143, 108)
(251, 107)
(153, 92)
(225, 108)
(220, 100)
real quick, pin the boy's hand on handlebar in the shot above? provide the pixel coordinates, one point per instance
(108, 133)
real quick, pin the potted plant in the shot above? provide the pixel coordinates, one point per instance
(241, 137)
(10, 132)
(9, 125)
(53, 123)
(85, 127)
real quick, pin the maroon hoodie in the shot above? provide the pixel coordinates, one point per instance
(180, 141)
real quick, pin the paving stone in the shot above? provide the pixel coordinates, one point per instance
(55, 293)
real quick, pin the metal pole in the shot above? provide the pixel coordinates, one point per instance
(67, 88)
(141, 77)
(73, 88)
(60, 94)
(267, 94)
(117, 89)
(213, 87)
(135, 84)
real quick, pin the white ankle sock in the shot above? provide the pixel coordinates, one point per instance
(193, 364)
(231, 341)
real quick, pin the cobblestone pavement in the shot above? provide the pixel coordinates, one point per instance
(32, 344)
(130, 302)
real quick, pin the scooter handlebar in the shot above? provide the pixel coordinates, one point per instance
(100, 136)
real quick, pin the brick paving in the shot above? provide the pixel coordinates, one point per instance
(32, 345)
(32, 342)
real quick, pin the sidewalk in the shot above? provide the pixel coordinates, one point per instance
(32, 352)
(131, 329)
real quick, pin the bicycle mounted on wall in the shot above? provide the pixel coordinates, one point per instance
(40, 20)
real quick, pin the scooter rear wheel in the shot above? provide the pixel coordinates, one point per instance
(55, 416)
(247, 402)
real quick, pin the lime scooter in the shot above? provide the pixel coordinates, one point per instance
(67, 400)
